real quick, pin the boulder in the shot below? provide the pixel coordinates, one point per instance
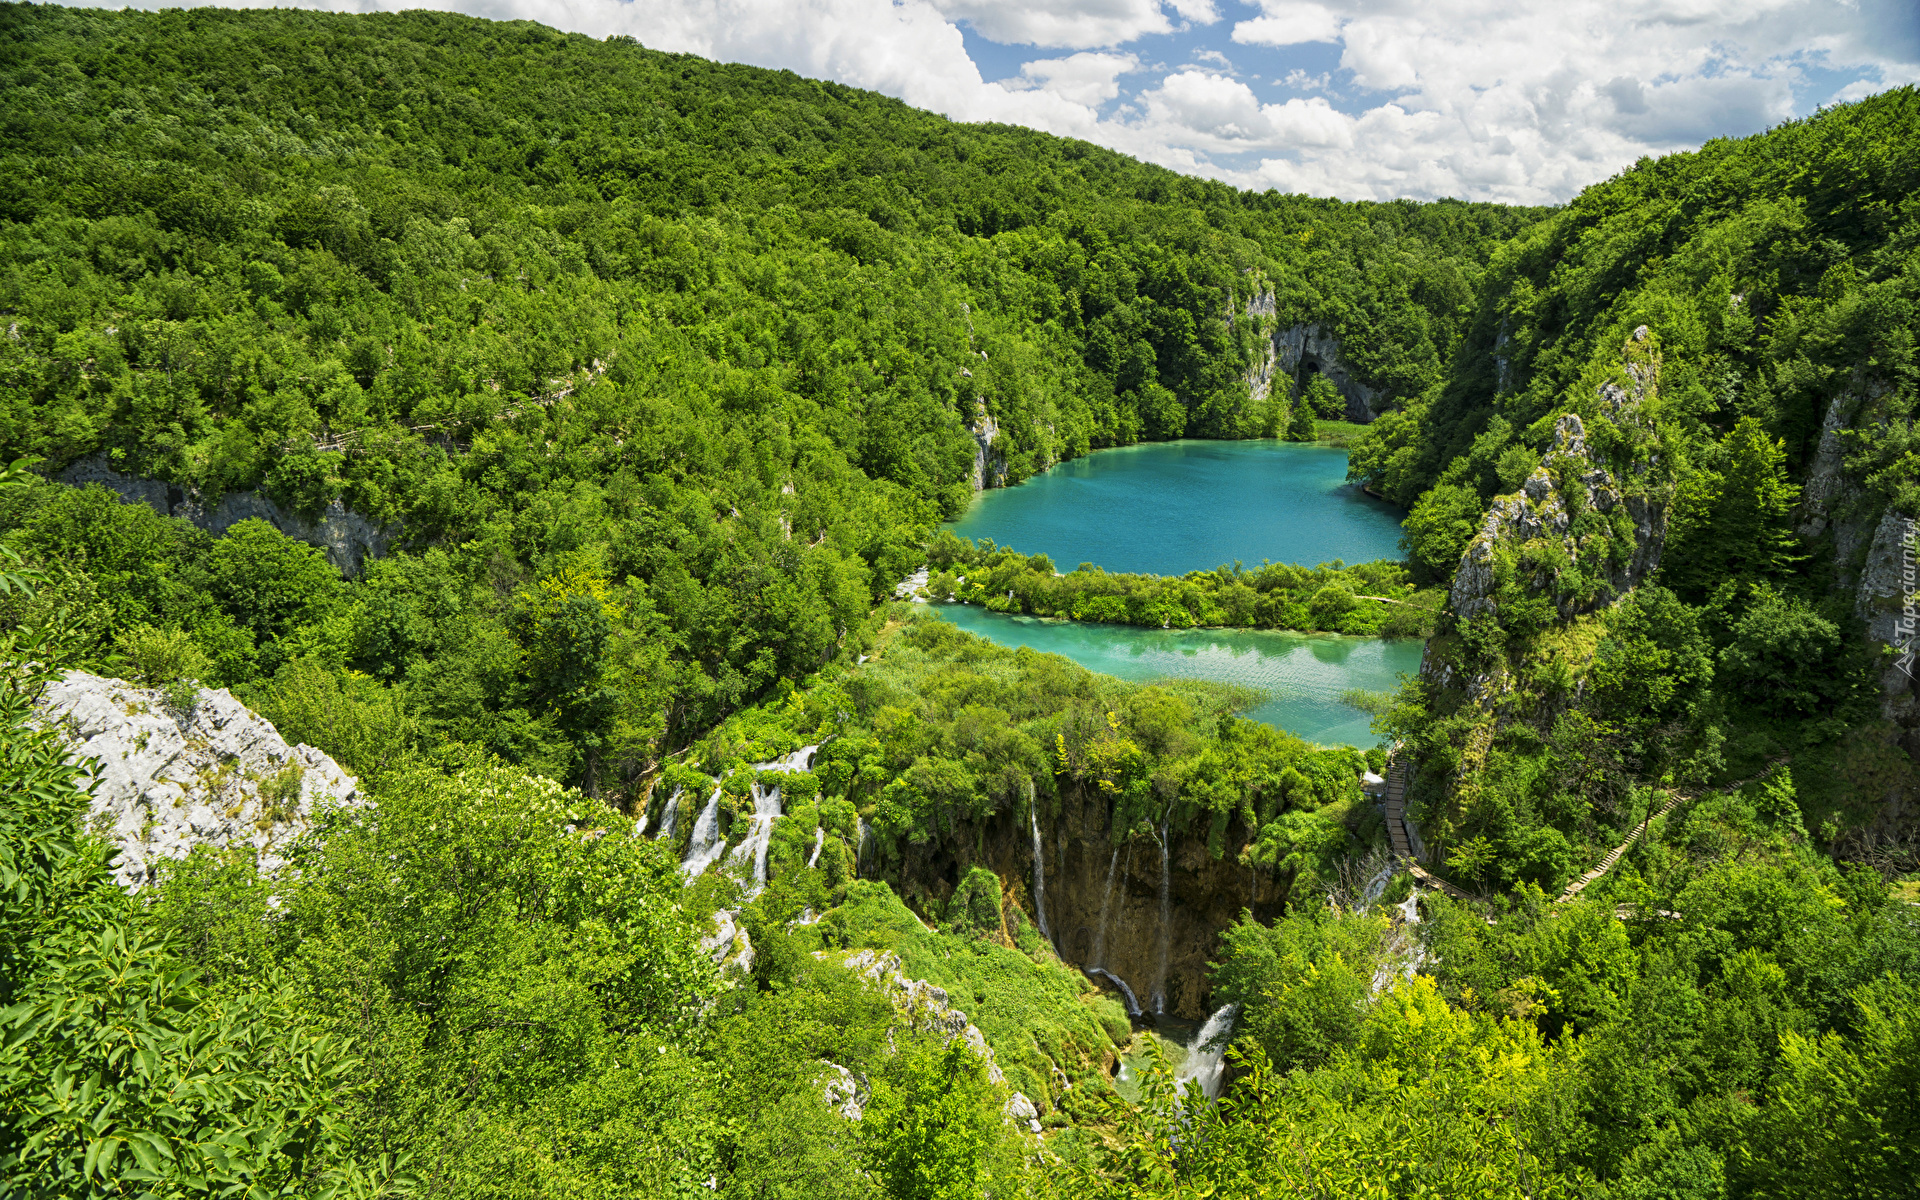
(165, 780)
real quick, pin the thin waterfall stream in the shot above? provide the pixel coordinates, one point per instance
(1166, 924)
(706, 844)
(1106, 900)
(1039, 869)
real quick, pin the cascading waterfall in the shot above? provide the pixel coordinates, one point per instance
(1106, 898)
(670, 817)
(1205, 1064)
(753, 847)
(766, 810)
(1375, 886)
(1405, 952)
(819, 840)
(1039, 869)
(1166, 926)
(706, 844)
(1133, 1005)
(859, 843)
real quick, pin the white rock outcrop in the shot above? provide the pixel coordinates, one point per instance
(1284, 353)
(923, 1005)
(845, 1092)
(729, 945)
(166, 781)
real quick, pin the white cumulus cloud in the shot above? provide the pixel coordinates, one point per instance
(1511, 100)
(1087, 79)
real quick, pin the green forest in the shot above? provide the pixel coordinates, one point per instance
(655, 377)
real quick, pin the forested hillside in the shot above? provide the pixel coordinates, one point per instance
(685, 861)
(724, 340)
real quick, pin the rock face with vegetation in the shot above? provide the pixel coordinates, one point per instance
(348, 539)
(179, 769)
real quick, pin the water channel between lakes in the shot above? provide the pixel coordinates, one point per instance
(1173, 507)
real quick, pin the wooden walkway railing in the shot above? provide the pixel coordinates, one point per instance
(1613, 855)
(1399, 773)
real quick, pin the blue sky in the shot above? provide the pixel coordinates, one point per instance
(1514, 100)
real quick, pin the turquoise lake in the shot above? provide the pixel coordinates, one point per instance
(1174, 507)
(1303, 674)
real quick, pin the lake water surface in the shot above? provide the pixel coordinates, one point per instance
(1173, 507)
(1303, 674)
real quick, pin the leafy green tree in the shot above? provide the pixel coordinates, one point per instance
(1300, 427)
(271, 584)
(1735, 524)
(1437, 531)
(934, 1130)
(1782, 653)
(1323, 398)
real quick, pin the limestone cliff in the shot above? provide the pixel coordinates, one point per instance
(348, 538)
(1289, 354)
(1104, 903)
(168, 779)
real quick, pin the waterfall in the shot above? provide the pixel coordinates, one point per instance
(1106, 898)
(1039, 869)
(819, 840)
(1405, 952)
(859, 843)
(766, 810)
(669, 817)
(707, 842)
(753, 847)
(1133, 1005)
(1205, 1064)
(1375, 886)
(1166, 922)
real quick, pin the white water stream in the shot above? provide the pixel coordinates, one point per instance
(1206, 1065)
(1039, 869)
(766, 810)
(1106, 898)
(1166, 927)
(706, 845)
(1133, 1005)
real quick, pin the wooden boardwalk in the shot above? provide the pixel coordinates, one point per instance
(1399, 774)
(1613, 855)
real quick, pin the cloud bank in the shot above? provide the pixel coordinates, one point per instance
(1507, 100)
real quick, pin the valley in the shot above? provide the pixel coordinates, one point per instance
(582, 621)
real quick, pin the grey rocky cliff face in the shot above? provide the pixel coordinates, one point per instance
(989, 466)
(348, 539)
(1886, 599)
(1540, 511)
(165, 782)
(1286, 352)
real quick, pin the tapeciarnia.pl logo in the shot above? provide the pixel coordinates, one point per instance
(1903, 629)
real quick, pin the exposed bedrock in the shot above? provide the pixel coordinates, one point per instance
(168, 779)
(1296, 352)
(1205, 895)
(348, 538)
